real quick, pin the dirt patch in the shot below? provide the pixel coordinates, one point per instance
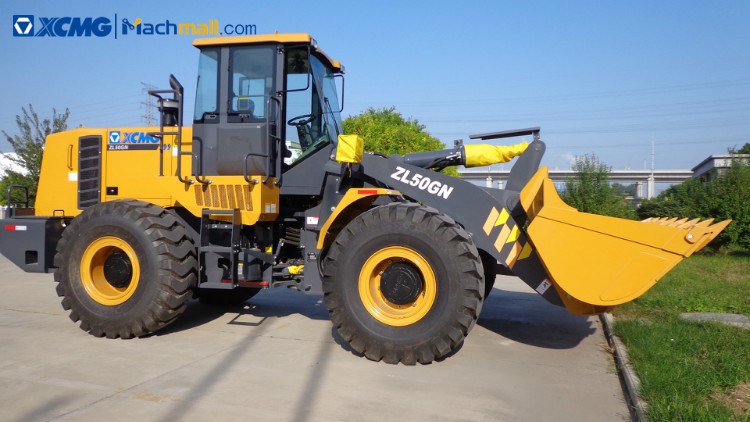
(734, 320)
(737, 399)
(736, 276)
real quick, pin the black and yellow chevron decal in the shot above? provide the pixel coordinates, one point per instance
(510, 242)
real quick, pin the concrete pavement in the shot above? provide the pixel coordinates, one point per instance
(277, 359)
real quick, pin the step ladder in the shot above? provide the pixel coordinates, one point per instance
(234, 247)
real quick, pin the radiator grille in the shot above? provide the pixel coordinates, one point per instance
(89, 170)
(223, 196)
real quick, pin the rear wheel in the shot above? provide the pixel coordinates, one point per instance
(403, 283)
(125, 268)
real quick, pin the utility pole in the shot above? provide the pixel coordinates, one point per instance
(651, 187)
(149, 116)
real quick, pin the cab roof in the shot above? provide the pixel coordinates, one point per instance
(270, 39)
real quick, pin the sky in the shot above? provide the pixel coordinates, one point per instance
(610, 78)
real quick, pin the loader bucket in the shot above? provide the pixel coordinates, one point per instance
(596, 262)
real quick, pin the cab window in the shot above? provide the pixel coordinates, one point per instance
(252, 70)
(206, 98)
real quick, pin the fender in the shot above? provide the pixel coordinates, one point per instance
(354, 202)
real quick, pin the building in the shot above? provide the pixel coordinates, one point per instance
(716, 165)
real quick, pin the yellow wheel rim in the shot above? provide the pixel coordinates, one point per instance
(94, 277)
(375, 302)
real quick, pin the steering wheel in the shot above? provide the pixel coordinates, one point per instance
(301, 120)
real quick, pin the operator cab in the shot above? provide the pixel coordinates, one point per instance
(264, 104)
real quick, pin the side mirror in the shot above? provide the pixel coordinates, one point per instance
(341, 78)
(175, 84)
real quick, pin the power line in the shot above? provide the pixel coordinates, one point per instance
(149, 116)
(744, 82)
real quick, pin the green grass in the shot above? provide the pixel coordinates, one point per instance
(689, 370)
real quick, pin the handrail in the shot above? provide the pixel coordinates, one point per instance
(177, 95)
(11, 209)
(198, 160)
(508, 134)
(270, 144)
(25, 201)
(256, 154)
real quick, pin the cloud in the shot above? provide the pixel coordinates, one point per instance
(569, 158)
(6, 164)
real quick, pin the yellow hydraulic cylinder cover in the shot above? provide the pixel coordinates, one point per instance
(485, 155)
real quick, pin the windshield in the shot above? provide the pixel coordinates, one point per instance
(325, 80)
(312, 108)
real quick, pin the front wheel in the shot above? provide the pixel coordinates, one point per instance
(403, 283)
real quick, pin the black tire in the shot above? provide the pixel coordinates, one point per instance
(490, 273)
(125, 268)
(221, 297)
(383, 258)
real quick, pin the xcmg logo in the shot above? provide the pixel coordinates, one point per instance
(27, 26)
(23, 25)
(130, 141)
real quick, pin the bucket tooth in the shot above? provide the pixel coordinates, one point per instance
(679, 222)
(690, 223)
(668, 222)
(705, 223)
(715, 229)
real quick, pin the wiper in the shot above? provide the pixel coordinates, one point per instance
(330, 113)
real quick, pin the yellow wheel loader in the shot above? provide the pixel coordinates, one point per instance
(264, 190)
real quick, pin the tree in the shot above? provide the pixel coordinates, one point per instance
(726, 197)
(28, 146)
(730, 196)
(625, 190)
(745, 149)
(687, 199)
(386, 131)
(589, 190)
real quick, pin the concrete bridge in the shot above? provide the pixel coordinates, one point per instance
(641, 178)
